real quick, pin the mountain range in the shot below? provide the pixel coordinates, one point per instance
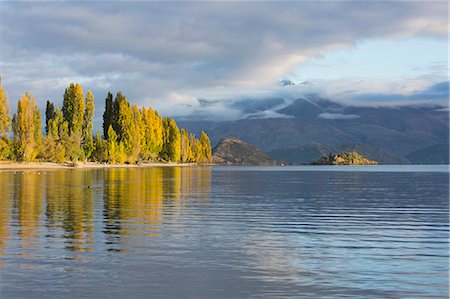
(392, 133)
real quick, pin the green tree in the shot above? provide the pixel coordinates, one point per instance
(112, 145)
(27, 129)
(171, 149)
(49, 114)
(73, 107)
(88, 139)
(57, 138)
(124, 125)
(108, 115)
(73, 113)
(119, 106)
(100, 153)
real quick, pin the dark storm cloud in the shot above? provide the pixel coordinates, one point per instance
(168, 55)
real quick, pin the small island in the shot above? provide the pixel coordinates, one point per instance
(345, 158)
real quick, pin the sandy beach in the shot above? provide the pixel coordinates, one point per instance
(6, 165)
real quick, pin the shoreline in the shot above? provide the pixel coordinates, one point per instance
(5, 165)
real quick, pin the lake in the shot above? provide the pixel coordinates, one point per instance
(225, 232)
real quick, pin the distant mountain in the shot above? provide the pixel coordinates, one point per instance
(436, 154)
(302, 154)
(234, 151)
(394, 130)
(306, 153)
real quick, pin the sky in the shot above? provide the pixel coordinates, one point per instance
(197, 60)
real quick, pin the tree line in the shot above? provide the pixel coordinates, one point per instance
(130, 134)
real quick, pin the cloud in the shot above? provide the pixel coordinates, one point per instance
(286, 82)
(170, 55)
(436, 94)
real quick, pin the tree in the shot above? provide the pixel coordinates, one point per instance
(206, 147)
(5, 121)
(120, 102)
(88, 139)
(73, 113)
(171, 149)
(153, 135)
(27, 129)
(136, 135)
(49, 114)
(108, 115)
(73, 108)
(112, 145)
(5, 148)
(196, 147)
(186, 150)
(100, 153)
(57, 139)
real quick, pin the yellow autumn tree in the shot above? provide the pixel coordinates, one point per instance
(206, 147)
(186, 149)
(27, 129)
(153, 135)
(5, 120)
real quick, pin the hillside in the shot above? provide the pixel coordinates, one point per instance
(234, 151)
(436, 154)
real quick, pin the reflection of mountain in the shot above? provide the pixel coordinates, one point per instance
(398, 130)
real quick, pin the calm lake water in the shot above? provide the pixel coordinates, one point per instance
(225, 232)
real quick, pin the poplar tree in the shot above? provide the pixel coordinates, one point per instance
(137, 130)
(49, 114)
(112, 145)
(27, 129)
(73, 113)
(153, 135)
(88, 139)
(108, 115)
(186, 150)
(5, 121)
(206, 147)
(171, 149)
(196, 148)
(120, 102)
(73, 108)
(57, 139)
(100, 153)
